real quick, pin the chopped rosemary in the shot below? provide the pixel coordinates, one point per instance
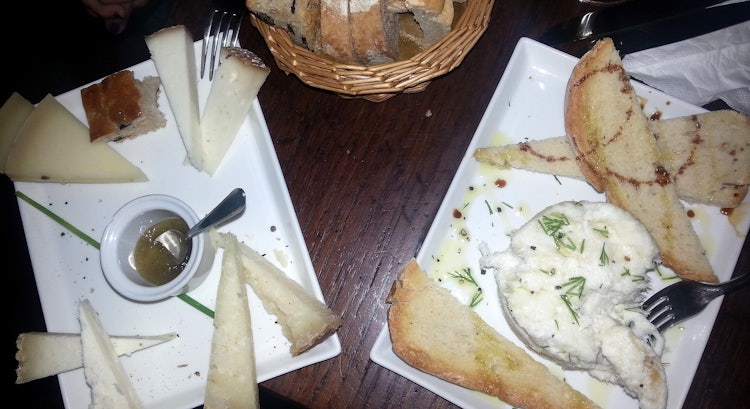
(565, 299)
(489, 208)
(465, 275)
(633, 277)
(604, 232)
(603, 257)
(552, 225)
(575, 286)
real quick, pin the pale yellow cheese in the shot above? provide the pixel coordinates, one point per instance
(235, 85)
(232, 381)
(13, 114)
(42, 354)
(305, 320)
(174, 56)
(53, 146)
(111, 387)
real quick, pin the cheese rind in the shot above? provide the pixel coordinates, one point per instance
(53, 146)
(173, 53)
(235, 85)
(13, 114)
(110, 385)
(42, 354)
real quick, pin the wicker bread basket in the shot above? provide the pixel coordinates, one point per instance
(377, 83)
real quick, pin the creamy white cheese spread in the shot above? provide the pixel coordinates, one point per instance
(571, 283)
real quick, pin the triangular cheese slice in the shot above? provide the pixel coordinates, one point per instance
(173, 54)
(110, 385)
(232, 380)
(42, 354)
(53, 146)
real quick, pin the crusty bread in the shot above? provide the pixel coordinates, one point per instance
(365, 32)
(301, 19)
(617, 152)
(374, 32)
(121, 107)
(335, 31)
(708, 156)
(434, 18)
(433, 332)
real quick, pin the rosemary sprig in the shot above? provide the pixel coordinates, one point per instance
(575, 286)
(465, 275)
(552, 226)
(603, 257)
(568, 304)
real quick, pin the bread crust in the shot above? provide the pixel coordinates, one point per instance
(433, 332)
(617, 153)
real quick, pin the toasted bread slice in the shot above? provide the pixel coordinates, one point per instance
(708, 156)
(617, 152)
(433, 332)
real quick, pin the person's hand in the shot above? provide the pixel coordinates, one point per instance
(115, 13)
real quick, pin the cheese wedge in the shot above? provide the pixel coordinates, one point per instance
(110, 385)
(232, 381)
(305, 321)
(173, 54)
(53, 146)
(13, 114)
(42, 354)
(234, 88)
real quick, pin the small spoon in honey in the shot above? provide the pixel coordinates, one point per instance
(179, 244)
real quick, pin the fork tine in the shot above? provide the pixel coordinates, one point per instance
(222, 30)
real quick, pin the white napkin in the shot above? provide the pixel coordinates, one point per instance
(700, 70)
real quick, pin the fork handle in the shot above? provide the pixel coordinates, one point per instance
(733, 284)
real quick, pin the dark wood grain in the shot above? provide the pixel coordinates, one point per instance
(366, 180)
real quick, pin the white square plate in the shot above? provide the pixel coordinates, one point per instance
(173, 374)
(527, 105)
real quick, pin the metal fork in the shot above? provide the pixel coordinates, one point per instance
(686, 298)
(222, 30)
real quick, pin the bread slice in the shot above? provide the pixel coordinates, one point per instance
(110, 385)
(233, 90)
(433, 332)
(173, 53)
(305, 321)
(300, 18)
(122, 107)
(617, 152)
(434, 18)
(53, 146)
(232, 380)
(335, 31)
(708, 156)
(374, 31)
(43, 354)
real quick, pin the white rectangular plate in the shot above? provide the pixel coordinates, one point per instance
(170, 375)
(528, 104)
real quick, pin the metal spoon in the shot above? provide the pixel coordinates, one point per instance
(179, 244)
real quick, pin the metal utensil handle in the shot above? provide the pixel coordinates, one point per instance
(231, 206)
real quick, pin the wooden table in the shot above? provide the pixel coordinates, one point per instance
(366, 180)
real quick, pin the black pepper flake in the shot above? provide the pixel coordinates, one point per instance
(532, 247)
